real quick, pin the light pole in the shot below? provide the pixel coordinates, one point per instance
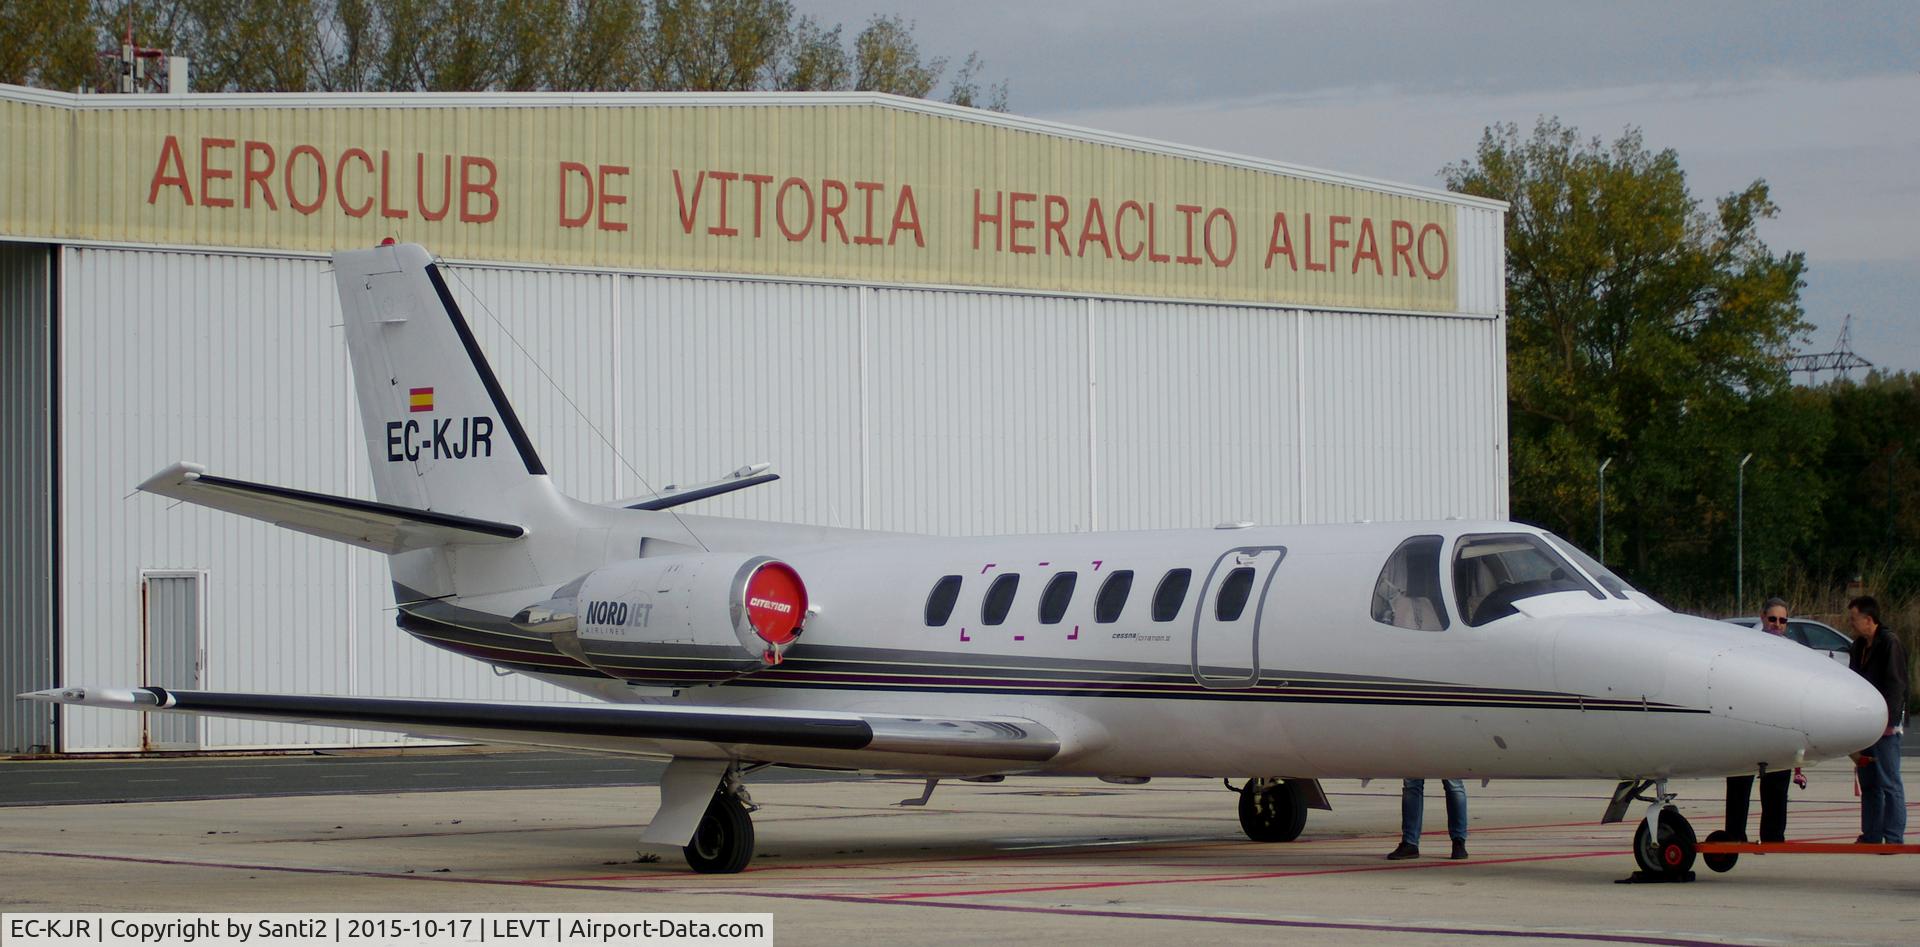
(1603, 510)
(1740, 536)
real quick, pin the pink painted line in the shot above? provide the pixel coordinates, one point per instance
(344, 872)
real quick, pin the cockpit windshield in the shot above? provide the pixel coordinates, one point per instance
(1614, 585)
(1492, 571)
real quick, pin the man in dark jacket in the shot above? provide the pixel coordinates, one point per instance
(1876, 654)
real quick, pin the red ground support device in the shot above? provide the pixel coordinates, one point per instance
(1720, 851)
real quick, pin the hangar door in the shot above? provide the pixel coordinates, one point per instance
(29, 621)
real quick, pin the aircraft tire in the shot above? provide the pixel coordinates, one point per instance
(1274, 812)
(1717, 861)
(723, 842)
(1673, 855)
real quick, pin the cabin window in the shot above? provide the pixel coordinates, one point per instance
(940, 600)
(1493, 571)
(999, 600)
(1171, 594)
(1113, 597)
(1407, 594)
(1601, 574)
(1053, 601)
(1234, 590)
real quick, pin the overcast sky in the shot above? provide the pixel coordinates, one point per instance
(1822, 100)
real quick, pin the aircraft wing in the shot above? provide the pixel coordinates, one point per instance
(801, 736)
(672, 496)
(381, 527)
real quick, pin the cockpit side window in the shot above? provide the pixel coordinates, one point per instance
(1407, 595)
(1493, 571)
(1612, 583)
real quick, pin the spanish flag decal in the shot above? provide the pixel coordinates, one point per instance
(419, 399)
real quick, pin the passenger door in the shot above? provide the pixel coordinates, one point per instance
(1226, 621)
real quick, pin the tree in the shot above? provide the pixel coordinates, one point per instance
(463, 46)
(1873, 520)
(714, 45)
(528, 36)
(48, 43)
(352, 43)
(966, 87)
(1645, 328)
(252, 45)
(477, 46)
(600, 53)
(887, 58)
(813, 60)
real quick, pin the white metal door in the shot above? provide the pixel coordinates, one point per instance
(1226, 625)
(173, 626)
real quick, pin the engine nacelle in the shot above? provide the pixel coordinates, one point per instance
(677, 619)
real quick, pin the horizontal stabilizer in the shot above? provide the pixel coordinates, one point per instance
(650, 729)
(672, 496)
(381, 527)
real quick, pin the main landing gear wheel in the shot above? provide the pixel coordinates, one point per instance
(1272, 810)
(1720, 861)
(723, 844)
(1672, 854)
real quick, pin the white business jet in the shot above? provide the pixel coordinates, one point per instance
(1280, 655)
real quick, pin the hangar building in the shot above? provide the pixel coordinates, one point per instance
(928, 318)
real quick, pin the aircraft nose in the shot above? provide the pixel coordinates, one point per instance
(1841, 713)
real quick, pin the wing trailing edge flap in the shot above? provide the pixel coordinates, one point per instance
(651, 729)
(381, 527)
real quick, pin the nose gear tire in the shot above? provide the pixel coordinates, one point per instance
(1672, 854)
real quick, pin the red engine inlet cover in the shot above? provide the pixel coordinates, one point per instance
(776, 602)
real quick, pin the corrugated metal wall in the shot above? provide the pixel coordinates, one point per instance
(27, 554)
(1197, 415)
(906, 409)
(1405, 417)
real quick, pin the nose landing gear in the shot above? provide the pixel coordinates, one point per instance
(1664, 845)
(1671, 852)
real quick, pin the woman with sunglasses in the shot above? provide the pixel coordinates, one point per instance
(1773, 783)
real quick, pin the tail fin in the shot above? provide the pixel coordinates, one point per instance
(440, 433)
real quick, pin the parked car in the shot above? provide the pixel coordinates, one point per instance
(1816, 635)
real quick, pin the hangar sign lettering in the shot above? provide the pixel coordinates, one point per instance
(878, 192)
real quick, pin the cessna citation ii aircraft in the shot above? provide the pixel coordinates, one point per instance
(1280, 655)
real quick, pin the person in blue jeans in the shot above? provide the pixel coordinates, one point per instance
(1412, 801)
(1877, 655)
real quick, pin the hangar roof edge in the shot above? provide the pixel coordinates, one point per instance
(724, 99)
